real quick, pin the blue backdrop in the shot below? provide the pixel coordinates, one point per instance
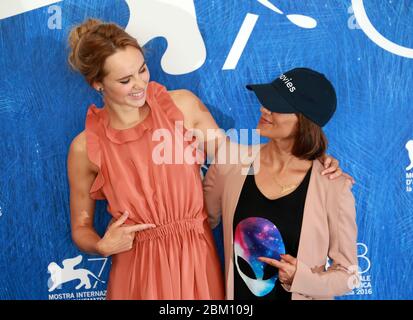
(364, 47)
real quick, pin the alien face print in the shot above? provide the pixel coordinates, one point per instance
(257, 237)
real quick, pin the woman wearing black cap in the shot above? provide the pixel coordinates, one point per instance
(284, 219)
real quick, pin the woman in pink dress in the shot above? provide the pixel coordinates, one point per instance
(161, 244)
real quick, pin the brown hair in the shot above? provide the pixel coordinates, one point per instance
(92, 42)
(310, 140)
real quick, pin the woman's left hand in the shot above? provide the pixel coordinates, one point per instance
(287, 267)
(332, 169)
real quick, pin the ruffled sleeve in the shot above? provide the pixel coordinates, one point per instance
(94, 151)
(158, 94)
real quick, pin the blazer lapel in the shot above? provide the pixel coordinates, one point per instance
(314, 221)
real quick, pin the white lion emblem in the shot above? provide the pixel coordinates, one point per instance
(59, 276)
(409, 147)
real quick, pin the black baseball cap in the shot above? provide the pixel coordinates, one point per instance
(300, 90)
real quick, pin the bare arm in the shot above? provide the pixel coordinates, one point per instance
(198, 118)
(81, 173)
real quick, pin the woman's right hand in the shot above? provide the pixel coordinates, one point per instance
(119, 237)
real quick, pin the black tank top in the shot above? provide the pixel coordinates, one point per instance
(264, 227)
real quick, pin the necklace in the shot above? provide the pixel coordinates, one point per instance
(285, 188)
